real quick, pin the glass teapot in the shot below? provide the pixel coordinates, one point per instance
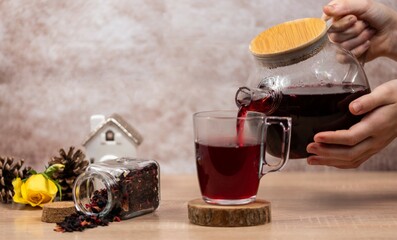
(302, 75)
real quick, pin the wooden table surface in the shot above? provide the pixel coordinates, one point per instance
(333, 205)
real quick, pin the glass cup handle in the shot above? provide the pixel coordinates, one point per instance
(285, 123)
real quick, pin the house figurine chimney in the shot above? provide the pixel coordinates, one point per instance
(111, 138)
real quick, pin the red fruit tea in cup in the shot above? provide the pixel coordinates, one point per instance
(228, 170)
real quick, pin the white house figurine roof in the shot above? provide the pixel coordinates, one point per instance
(124, 127)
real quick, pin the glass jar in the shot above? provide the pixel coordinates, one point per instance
(302, 75)
(121, 187)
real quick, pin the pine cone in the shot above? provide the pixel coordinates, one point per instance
(8, 171)
(75, 164)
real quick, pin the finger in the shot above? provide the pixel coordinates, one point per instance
(351, 32)
(355, 40)
(350, 137)
(331, 10)
(341, 8)
(340, 152)
(317, 160)
(343, 24)
(360, 50)
(325, 17)
(378, 97)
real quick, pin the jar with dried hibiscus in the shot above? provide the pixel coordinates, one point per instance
(121, 188)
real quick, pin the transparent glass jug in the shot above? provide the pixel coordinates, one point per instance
(302, 75)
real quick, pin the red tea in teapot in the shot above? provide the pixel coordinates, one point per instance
(313, 109)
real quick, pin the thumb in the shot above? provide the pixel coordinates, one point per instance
(339, 8)
(332, 9)
(380, 96)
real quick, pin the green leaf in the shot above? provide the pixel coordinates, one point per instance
(54, 168)
(59, 188)
(46, 176)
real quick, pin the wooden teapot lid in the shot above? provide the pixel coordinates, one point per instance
(289, 38)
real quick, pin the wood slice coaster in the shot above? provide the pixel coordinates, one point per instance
(252, 214)
(56, 212)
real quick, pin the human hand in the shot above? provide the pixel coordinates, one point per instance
(363, 27)
(352, 34)
(350, 148)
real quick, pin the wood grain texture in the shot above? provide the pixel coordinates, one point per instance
(305, 206)
(154, 62)
(256, 213)
(288, 36)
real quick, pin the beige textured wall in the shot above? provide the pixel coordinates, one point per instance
(155, 62)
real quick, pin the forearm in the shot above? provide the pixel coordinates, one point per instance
(387, 42)
(392, 40)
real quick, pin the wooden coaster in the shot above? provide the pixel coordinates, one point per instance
(56, 212)
(252, 214)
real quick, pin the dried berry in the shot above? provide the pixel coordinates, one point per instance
(132, 189)
(79, 221)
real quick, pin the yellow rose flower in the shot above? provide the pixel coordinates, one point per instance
(17, 183)
(37, 190)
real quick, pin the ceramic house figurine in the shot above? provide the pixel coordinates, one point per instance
(111, 138)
